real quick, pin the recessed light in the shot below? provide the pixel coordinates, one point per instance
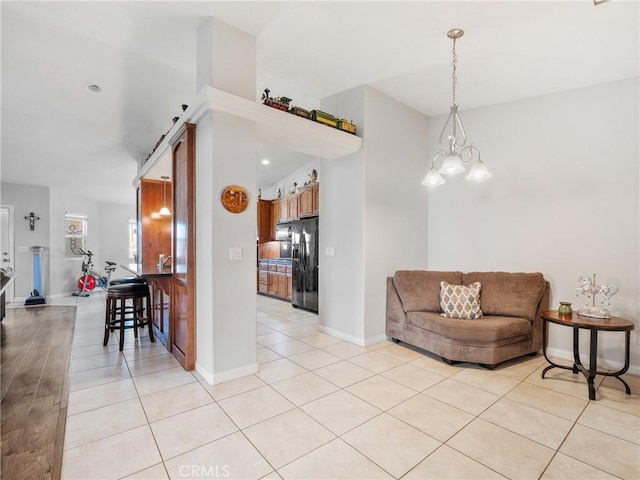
(93, 88)
(265, 162)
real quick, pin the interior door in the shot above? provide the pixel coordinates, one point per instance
(6, 244)
(184, 267)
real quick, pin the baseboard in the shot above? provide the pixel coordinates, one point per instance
(342, 336)
(214, 379)
(603, 363)
(377, 339)
(351, 339)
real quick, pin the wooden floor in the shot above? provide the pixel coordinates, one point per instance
(36, 350)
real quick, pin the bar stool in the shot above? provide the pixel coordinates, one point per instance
(119, 316)
(120, 281)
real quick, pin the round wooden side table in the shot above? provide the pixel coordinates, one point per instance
(594, 325)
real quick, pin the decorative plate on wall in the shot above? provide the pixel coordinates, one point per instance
(235, 199)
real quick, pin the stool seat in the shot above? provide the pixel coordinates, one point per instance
(120, 281)
(135, 289)
(118, 315)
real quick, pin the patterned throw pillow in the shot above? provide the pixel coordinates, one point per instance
(460, 301)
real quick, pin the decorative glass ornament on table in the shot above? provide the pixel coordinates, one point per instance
(589, 287)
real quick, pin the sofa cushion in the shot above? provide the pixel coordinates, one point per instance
(419, 290)
(460, 301)
(510, 294)
(488, 329)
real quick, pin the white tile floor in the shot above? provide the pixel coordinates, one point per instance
(323, 408)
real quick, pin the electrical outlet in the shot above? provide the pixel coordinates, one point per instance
(23, 249)
(330, 251)
(235, 254)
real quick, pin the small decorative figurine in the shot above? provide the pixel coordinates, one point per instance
(294, 187)
(279, 193)
(259, 193)
(589, 287)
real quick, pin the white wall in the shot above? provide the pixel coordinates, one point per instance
(26, 199)
(113, 228)
(563, 200)
(373, 212)
(107, 235)
(225, 155)
(341, 277)
(299, 176)
(395, 201)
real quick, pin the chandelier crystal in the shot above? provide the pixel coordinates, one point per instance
(454, 152)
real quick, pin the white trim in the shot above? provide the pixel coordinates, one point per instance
(214, 379)
(342, 336)
(10, 291)
(377, 339)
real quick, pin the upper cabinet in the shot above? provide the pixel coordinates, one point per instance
(309, 201)
(303, 204)
(155, 229)
(264, 222)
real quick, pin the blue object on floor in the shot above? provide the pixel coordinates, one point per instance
(36, 298)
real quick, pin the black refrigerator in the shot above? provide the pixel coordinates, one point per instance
(304, 263)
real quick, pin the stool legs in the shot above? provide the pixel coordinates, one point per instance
(117, 313)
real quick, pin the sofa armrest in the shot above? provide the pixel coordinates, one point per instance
(536, 327)
(395, 314)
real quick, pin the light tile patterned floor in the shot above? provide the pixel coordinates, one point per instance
(323, 408)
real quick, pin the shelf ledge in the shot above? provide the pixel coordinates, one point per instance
(273, 126)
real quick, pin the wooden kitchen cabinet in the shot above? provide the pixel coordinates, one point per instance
(273, 218)
(274, 279)
(316, 198)
(288, 208)
(183, 299)
(293, 207)
(264, 222)
(154, 230)
(263, 281)
(161, 303)
(281, 285)
(309, 201)
(283, 209)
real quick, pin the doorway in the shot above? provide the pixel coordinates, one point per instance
(6, 243)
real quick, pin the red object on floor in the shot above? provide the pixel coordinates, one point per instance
(90, 282)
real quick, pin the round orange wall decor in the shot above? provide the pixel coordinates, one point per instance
(235, 199)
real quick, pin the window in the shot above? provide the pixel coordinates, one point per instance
(133, 240)
(75, 234)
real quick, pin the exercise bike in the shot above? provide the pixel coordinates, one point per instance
(90, 279)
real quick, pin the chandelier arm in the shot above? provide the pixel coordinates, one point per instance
(446, 124)
(471, 149)
(458, 121)
(436, 157)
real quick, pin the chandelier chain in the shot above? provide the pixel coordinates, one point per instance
(454, 77)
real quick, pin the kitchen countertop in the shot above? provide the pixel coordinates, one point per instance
(278, 261)
(148, 270)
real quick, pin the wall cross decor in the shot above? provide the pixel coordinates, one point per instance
(32, 221)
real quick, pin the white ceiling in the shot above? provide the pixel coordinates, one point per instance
(54, 132)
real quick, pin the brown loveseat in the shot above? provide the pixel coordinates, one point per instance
(510, 302)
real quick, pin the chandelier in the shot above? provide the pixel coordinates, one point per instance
(454, 152)
(164, 211)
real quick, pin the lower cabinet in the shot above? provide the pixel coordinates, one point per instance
(161, 304)
(274, 280)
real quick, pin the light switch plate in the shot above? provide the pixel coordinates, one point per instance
(235, 254)
(23, 249)
(330, 252)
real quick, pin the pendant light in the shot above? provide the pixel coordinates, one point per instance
(164, 211)
(454, 153)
